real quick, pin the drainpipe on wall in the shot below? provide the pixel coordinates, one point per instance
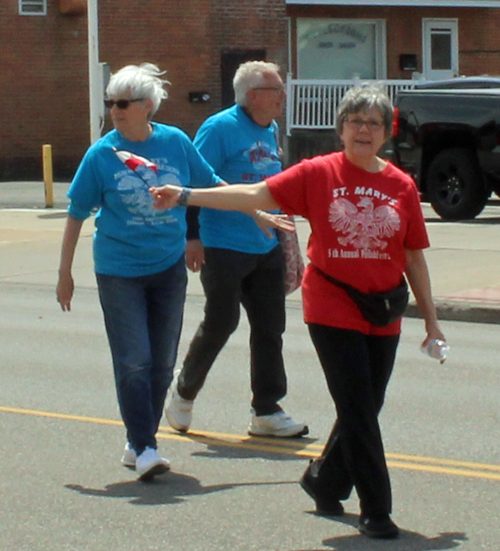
(96, 85)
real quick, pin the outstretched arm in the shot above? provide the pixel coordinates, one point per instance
(243, 197)
(247, 198)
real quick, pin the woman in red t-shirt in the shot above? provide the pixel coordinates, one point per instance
(367, 230)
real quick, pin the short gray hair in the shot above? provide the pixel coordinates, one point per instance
(251, 74)
(361, 98)
(139, 81)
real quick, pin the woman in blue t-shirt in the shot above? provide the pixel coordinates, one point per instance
(138, 250)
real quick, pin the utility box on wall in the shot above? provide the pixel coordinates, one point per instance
(408, 62)
(73, 7)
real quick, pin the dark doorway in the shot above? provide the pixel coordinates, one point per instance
(230, 61)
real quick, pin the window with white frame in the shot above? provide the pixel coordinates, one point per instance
(32, 7)
(341, 48)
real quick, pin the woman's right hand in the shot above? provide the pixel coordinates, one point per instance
(64, 291)
(195, 255)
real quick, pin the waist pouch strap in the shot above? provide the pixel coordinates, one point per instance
(378, 308)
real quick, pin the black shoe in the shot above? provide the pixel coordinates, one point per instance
(325, 506)
(380, 527)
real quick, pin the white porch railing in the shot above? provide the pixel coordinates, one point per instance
(312, 104)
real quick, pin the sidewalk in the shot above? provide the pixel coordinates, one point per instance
(464, 263)
(464, 257)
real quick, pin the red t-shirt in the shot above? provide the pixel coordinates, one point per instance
(361, 224)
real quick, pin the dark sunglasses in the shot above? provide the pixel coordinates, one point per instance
(120, 103)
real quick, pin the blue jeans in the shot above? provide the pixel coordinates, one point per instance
(143, 319)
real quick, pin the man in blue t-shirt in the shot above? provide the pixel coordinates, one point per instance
(239, 262)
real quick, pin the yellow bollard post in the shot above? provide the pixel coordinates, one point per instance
(47, 175)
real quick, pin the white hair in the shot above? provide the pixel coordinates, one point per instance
(251, 74)
(140, 82)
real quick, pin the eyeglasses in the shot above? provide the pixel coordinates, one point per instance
(120, 103)
(371, 124)
(277, 89)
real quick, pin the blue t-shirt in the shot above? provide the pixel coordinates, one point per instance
(132, 238)
(240, 151)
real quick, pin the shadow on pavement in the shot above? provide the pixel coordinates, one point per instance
(54, 215)
(170, 489)
(223, 452)
(272, 449)
(407, 541)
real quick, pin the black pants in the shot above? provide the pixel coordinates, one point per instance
(256, 281)
(357, 368)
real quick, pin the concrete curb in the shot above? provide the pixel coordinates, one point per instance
(449, 310)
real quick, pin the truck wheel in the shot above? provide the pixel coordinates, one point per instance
(455, 185)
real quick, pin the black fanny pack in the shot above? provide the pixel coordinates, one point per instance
(378, 308)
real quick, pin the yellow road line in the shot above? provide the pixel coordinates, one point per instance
(269, 445)
(449, 462)
(80, 418)
(299, 447)
(314, 450)
(443, 470)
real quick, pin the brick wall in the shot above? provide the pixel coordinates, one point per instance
(44, 61)
(45, 67)
(480, 43)
(43, 87)
(186, 39)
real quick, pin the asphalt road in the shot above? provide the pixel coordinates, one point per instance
(62, 486)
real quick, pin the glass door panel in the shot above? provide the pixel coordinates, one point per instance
(339, 49)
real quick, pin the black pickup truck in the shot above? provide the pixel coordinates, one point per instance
(447, 136)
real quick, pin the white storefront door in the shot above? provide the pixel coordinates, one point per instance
(440, 48)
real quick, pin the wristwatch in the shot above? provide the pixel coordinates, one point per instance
(184, 197)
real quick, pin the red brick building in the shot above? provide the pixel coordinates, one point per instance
(44, 58)
(336, 42)
(44, 61)
(394, 38)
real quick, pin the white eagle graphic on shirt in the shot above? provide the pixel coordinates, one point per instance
(363, 227)
(134, 192)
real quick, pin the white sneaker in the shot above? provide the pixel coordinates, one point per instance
(129, 456)
(178, 411)
(149, 464)
(278, 424)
